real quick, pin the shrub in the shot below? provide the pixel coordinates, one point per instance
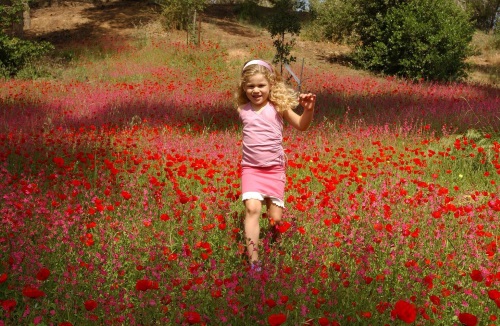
(333, 20)
(179, 13)
(249, 10)
(496, 39)
(418, 39)
(16, 53)
(285, 20)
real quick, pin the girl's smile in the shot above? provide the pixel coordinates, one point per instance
(257, 90)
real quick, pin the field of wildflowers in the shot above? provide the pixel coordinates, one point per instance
(119, 187)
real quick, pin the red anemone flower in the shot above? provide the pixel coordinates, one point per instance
(9, 304)
(43, 274)
(467, 319)
(126, 195)
(192, 317)
(144, 285)
(90, 305)
(405, 311)
(476, 275)
(32, 292)
(276, 319)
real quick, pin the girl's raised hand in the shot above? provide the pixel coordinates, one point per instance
(307, 101)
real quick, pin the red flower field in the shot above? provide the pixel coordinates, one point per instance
(120, 199)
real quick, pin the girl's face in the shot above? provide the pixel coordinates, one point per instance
(257, 89)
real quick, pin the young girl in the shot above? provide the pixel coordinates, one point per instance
(264, 101)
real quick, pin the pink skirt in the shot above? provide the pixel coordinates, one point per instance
(268, 181)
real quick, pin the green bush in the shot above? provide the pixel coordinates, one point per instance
(249, 10)
(418, 39)
(178, 14)
(16, 53)
(332, 20)
(496, 39)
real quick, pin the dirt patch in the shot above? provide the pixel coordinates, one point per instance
(74, 21)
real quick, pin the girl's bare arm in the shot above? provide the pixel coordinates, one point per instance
(302, 122)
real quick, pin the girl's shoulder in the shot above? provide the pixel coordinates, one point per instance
(244, 107)
(241, 107)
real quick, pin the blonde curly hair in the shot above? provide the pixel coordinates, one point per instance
(281, 95)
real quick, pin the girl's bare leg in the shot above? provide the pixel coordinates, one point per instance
(274, 212)
(252, 214)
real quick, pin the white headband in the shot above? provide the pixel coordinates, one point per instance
(260, 63)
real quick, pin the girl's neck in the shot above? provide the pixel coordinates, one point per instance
(259, 108)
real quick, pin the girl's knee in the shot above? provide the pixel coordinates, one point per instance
(253, 207)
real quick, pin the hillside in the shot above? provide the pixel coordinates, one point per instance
(83, 22)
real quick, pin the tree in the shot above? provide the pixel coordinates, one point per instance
(416, 39)
(333, 20)
(483, 12)
(14, 16)
(15, 52)
(284, 20)
(179, 13)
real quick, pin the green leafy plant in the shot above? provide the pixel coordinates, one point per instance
(284, 20)
(179, 13)
(419, 39)
(416, 39)
(496, 39)
(16, 53)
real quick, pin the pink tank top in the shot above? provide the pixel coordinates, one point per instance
(262, 137)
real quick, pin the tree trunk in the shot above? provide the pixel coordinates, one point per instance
(23, 20)
(495, 18)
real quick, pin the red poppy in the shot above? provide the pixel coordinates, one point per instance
(144, 285)
(494, 295)
(467, 319)
(437, 214)
(382, 307)
(43, 274)
(494, 204)
(90, 305)
(366, 314)
(9, 304)
(192, 317)
(32, 292)
(435, 299)
(404, 311)
(216, 293)
(58, 161)
(283, 227)
(476, 275)
(65, 323)
(3, 277)
(276, 319)
(126, 195)
(428, 281)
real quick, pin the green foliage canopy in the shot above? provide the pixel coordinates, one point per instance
(16, 53)
(414, 39)
(284, 20)
(179, 13)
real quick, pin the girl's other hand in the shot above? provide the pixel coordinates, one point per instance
(307, 101)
